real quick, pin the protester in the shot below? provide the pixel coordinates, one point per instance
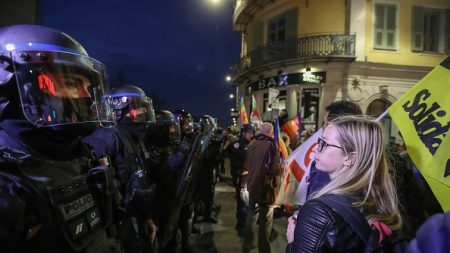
(351, 151)
(432, 236)
(417, 201)
(295, 142)
(229, 139)
(262, 163)
(283, 117)
(287, 142)
(317, 179)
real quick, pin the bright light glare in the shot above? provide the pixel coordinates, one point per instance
(10, 47)
(228, 78)
(231, 96)
(215, 4)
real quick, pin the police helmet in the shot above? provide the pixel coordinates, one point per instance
(186, 121)
(165, 130)
(132, 100)
(197, 127)
(247, 128)
(48, 78)
(218, 133)
(207, 123)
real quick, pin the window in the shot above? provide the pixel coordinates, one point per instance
(430, 30)
(376, 108)
(277, 30)
(385, 30)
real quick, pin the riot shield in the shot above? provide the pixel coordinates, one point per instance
(187, 181)
(183, 184)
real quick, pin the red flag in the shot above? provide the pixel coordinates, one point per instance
(293, 185)
(296, 170)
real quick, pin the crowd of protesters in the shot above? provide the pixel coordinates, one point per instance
(403, 202)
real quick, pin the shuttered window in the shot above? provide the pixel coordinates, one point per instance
(277, 30)
(430, 30)
(385, 29)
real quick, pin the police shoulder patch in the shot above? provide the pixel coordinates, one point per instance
(236, 145)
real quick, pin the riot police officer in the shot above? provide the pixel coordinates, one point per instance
(186, 124)
(168, 155)
(162, 139)
(50, 94)
(236, 152)
(124, 146)
(207, 175)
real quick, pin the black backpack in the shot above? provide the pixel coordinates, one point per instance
(356, 220)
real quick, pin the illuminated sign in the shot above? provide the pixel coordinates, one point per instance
(312, 77)
(289, 79)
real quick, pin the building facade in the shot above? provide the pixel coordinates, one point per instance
(318, 51)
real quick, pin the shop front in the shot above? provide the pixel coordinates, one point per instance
(294, 92)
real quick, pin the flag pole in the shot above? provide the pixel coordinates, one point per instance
(381, 116)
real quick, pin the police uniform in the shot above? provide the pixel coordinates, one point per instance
(47, 203)
(50, 185)
(236, 152)
(124, 145)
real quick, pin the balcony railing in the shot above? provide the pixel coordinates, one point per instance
(320, 46)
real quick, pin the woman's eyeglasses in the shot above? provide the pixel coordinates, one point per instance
(321, 145)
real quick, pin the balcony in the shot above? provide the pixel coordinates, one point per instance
(243, 12)
(325, 47)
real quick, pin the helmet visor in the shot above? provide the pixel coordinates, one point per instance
(174, 131)
(61, 88)
(139, 107)
(186, 124)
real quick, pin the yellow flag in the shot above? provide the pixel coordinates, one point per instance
(423, 117)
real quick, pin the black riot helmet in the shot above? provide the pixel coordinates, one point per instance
(207, 123)
(47, 78)
(165, 130)
(186, 122)
(130, 100)
(247, 128)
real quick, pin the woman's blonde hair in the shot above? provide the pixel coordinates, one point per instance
(368, 179)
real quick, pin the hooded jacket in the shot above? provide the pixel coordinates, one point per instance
(261, 160)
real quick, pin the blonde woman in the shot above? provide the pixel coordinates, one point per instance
(351, 151)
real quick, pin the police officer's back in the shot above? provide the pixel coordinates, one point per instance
(50, 92)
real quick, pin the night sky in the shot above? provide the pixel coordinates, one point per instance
(177, 51)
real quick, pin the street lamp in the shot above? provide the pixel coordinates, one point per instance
(228, 78)
(231, 96)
